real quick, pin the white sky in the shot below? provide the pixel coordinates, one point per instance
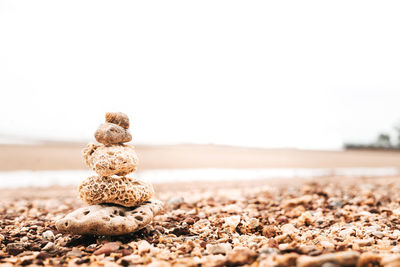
(263, 73)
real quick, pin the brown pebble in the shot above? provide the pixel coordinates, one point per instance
(345, 258)
(241, 256)
(203, 244)
(27, 262)
(107, 248)
(369, 259)
(189, 221)
(118, 118)
(288, 259)
(268, 231)
(15, 248)
(126, 252)
(82, 261)
(272, 243)
(42, 255)
(109, 133)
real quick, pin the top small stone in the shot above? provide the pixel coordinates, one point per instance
(118, 118)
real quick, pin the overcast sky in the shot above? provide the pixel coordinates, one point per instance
(307, 74)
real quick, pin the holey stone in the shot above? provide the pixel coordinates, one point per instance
(110, 160)
(123, 191)
(108, 219)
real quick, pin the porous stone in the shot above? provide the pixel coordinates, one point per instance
(107, 219)
(110, 133)
(118, 118)
(123, 191)
(110, 160)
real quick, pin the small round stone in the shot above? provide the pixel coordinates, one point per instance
(118, 118)
(109, 133)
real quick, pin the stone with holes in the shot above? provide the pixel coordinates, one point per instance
(123, 191)
(110, 160)
(109, 219)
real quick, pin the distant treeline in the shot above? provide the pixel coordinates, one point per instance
(370, 147)
(382, 142)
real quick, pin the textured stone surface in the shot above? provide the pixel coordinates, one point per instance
(118, 118)
(123, 191)
(109, 133)
(109, 220)
(110, 160)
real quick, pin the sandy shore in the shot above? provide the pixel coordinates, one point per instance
(254, 223)
(68, 156)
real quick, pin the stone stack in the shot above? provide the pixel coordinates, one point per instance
(118, 204)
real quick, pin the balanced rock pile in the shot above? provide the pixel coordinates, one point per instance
(118, 204)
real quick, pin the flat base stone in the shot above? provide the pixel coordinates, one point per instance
(106, 219)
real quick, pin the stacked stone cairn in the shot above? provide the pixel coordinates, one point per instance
(117, 204)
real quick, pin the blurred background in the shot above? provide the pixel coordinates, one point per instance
(277, 86)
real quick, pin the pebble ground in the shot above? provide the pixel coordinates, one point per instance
(294, 222)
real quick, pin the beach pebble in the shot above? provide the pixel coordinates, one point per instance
(330, 264)
(107, 248)
(118, 118)
(345, 233)
(124, 191)
(159, 264)
(130, 260)
(109, 133)
(269, 231)
(305, 219)
(378, 234)
(110, 160)
(288, 229)
(75, 252)
(50, 246)
(267, 250)
(346, 258)
(327, 244)
(109, 220)
(43, 255)
(232, 222)
(253, 223)
(241, 256)
(395, 250)
(288, 259)
(363, 242)
(15, 248)
(298, 201)
(175, 201)
(390, 261)
(144, 247)
(48, 235)
(221, 248)
(336, 203)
